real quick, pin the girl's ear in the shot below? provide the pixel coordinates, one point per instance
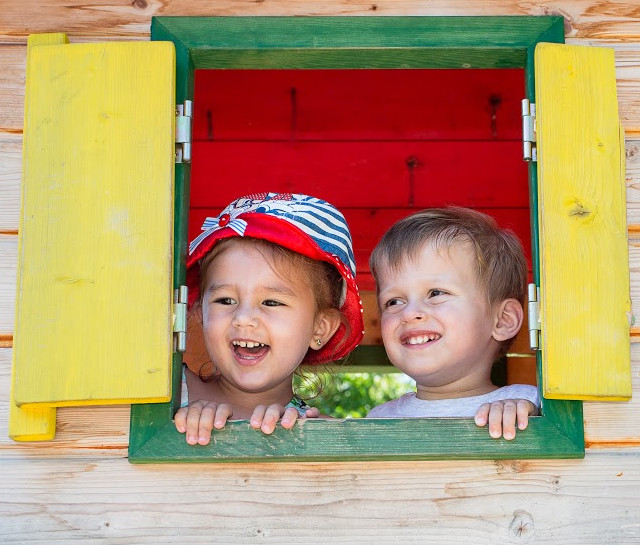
(507, 319)
(327, 323)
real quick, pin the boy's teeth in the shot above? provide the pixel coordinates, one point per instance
(422, 339)
(247, 344)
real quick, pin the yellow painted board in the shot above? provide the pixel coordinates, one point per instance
(94, 286)
(584, 264)
(33, 423)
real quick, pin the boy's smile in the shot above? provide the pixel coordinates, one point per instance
(436, 322)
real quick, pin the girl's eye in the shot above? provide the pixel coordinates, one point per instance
(436, 293)
(272, 303)
(225, 301)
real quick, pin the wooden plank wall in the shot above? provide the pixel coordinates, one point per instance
(80, 486)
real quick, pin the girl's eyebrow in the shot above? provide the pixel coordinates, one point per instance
(282, 289)
(216, 287)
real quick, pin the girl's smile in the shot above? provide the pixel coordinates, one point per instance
(258, 323)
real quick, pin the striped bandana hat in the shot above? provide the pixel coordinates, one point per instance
(303, 224)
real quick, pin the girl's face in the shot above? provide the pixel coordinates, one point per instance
(258, 325)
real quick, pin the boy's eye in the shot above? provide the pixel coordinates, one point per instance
(272, 303)
(225, 301)
(436, 293)
(392, 302)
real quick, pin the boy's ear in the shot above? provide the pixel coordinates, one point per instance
(327, 323)
(508, 319)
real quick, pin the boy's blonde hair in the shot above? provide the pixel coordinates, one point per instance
(500, 265)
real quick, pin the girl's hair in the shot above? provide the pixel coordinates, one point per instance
(500, 265)
(323, 278)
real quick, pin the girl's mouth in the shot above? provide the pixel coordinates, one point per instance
(249, 352)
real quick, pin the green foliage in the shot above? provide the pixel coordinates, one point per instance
(353, 395)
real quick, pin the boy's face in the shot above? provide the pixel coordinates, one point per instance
(436, 323)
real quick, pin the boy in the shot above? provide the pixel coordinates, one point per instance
(451, 285)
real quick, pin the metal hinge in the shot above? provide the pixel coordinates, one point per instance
(529, 149)
(183, 132)
(534, 317)
(180, 297)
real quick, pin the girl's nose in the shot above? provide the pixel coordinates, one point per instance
(245, 315)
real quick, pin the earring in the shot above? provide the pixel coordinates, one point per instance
(319, 342)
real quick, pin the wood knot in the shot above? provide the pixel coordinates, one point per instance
(373, 7)
(579, 210)
(140, 4)
(522, 525)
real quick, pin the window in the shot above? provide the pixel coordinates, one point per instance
(346, 47)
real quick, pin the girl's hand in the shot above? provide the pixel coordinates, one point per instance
(199, 418)
(265, 418)
(503, 415)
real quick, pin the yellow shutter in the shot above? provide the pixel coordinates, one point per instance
(94, 282)
(584, 264)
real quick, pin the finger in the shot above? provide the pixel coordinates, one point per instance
(207, 416)
(524, 409)
(223, 413)
(289, 417)
(257, 417)
(482, 415)
(193, 421)
(495, 419)
(509, 420)
(180, 419)
(271, 418)
(313, 412)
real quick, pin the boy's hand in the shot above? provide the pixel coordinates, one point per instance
(265, 418)
(199, 418)
(503, 415)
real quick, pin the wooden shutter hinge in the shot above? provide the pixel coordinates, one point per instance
(534, 317)
(529, 149)
(184, 113)
(180, 298)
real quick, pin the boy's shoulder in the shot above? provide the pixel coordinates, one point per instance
(409, 406)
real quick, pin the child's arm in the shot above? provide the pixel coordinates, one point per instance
(265, 418)
(199, 418)
(503, 415)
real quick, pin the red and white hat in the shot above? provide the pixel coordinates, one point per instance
(306, 225)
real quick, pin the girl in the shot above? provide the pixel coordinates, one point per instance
(274, 288)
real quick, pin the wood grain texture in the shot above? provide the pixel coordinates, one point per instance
(86, 431)
(8, 261)
(108, 19)
(627, 75)
(490, 502)
(583, 243)
(97, 225)
(10, 171)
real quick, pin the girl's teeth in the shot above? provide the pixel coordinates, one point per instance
(247, 344)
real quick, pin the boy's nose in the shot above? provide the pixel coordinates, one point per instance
(413, 312)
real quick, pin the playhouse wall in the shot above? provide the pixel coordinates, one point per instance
(80, 486)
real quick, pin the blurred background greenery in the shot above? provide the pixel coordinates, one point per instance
(350, 395)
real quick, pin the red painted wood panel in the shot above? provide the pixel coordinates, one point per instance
(362, 174)
(358, 104)
(378, 144)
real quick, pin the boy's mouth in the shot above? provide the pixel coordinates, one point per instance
(249, 350)
(421, 339)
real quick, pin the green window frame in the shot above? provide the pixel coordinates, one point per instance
(351, 42)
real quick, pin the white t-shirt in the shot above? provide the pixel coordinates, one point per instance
(409, 406)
